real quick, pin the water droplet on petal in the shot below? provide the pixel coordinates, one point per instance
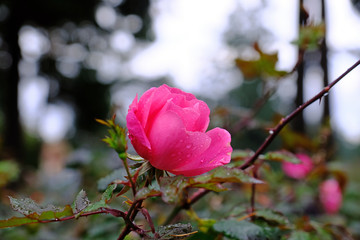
(202, 160)
(188, 146)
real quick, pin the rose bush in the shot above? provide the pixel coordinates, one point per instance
(298, 170)
(330, 196)
(167, 127)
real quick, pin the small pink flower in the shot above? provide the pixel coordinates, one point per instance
(167, 127)
(330, 196)
(298, 170)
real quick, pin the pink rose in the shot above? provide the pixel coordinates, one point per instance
(167, 127)
(298, 170)
(330, 196)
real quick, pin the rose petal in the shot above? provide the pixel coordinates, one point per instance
(172, 145)
(217, 154)
(195, 118)
(137, 134)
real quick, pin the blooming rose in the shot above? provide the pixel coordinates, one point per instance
(330, 196)
(167, 127)
(298, 170)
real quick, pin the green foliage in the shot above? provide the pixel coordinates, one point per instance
(282, 156)
(310, 36)
(241, 230)
(117, 137)
(34, 213)
(172, 188)
(9, 171)
(261, 68)
(175, 231)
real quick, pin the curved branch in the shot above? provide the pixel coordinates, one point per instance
(275, 131)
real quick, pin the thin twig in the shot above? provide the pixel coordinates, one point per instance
(275, 131)
(133, 187)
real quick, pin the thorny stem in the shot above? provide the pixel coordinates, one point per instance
(133, 187)
(275, 131)
(130, 216)
(268, 140)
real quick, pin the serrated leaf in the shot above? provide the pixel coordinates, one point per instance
(239, 155)
(281, 156)
(224, 174)
(107, 195)
(27, 206)
(241, 230)
(175, 231)
(118, 174)
(171, 187)
(145, 192)
(215, 187)
(105, 198)
(37, 218)
(272, 216)
(81, 202)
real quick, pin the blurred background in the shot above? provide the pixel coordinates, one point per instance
(65, 63)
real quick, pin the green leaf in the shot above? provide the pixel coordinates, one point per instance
(105, 198)
(81, 202)
(172, 187)
(241, 230)
(37, 218)
(224, 174)
(145, 192)
(9, 171)
(175, 231)
(116, 138)
(263, 67)
(300, 235)
(107, 195)
(273, 217)
(216, 187)
(27, 206)
(281, 156)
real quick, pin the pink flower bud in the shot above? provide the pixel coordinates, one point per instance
(298, 170)
(167, 127)
(330, 196)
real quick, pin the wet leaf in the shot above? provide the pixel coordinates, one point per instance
(144, 193)
(175, 231)
(37, 217)
(81, 202)
(172, 188)
(273, 216)
(27, 206)
(105, 198)
(241, 230)
(224, 174)
(282, 156)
